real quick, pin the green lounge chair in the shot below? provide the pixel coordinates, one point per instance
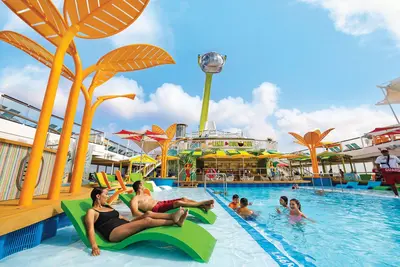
(190, 238)
(205, 217)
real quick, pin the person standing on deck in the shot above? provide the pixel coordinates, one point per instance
(387, 161)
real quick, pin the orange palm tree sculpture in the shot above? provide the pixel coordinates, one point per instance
(83, 19)
(312, 140)
(164, 144)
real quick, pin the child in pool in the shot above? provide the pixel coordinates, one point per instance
(295, 214)
(235, 202)
(244, 211)
(283, 200)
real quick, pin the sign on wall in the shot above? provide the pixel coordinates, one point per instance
(229, 144)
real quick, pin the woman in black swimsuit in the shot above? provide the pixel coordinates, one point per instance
(114, 227)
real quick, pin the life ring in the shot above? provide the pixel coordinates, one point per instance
(209, 173)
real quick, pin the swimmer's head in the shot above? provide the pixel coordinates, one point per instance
(283, 201)
(244, 202)
(294, 203)
(235, 198)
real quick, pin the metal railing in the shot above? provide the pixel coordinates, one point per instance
(20, 112)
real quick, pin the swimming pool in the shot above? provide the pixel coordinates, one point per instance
(350, 229)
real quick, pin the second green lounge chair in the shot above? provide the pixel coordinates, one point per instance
(208, 217)
(194, 240)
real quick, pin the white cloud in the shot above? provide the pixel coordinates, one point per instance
(349, 122)
(172, 103)
(358, 17)
(29, 84)
(148, 28)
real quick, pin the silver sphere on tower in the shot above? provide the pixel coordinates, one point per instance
(212, 62)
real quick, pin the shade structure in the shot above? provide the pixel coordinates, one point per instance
(140, 134)
(219, 154)
(266, 155)
(197, 153)
(327, 154)
(143, 159)
(288, 156)
(390, 130)
(147, 146)
(171, 158)
(142, 138)
(243, 155)
(392, 94)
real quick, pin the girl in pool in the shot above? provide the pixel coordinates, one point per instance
(114, 227)
(295, 214)
(284, 203)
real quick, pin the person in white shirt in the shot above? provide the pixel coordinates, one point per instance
(387, 161)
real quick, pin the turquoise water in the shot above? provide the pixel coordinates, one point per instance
(350, 229)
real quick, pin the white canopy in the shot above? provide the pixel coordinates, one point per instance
(392, 93)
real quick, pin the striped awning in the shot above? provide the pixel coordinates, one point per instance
(242, 155)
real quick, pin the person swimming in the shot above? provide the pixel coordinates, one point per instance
(295, 214)
(244, 211)
(283, 201)
(235, 202)
(295, 186)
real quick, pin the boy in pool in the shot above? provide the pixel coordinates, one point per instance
(235, 202)
(283, 200)
(244, 211)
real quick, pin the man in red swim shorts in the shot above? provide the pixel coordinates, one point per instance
(144, 203)
(388, 166)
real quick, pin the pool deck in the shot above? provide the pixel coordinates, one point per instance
(14, 217)
(235, 246)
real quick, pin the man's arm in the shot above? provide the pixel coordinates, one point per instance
(397, 159)
(134, 206)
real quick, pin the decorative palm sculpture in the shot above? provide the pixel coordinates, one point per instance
(83, 19)
(164, 144)
(312, 140)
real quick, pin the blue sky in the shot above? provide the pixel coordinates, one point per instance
(293, 65)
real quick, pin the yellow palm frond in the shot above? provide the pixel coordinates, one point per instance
(43, 17)
(100, 19)
(33, 49)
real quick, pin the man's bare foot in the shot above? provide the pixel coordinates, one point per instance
(208, 207)
(209, 202)
(182, 218)
(177, 215)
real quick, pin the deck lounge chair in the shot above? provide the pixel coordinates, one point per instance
(355, 146)
(192, 239)
(123, 188)
(208, 217)
(104, 182)
(348, 185)
(370, 185)
(350, 147)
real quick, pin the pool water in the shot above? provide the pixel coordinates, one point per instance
(350, 229)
